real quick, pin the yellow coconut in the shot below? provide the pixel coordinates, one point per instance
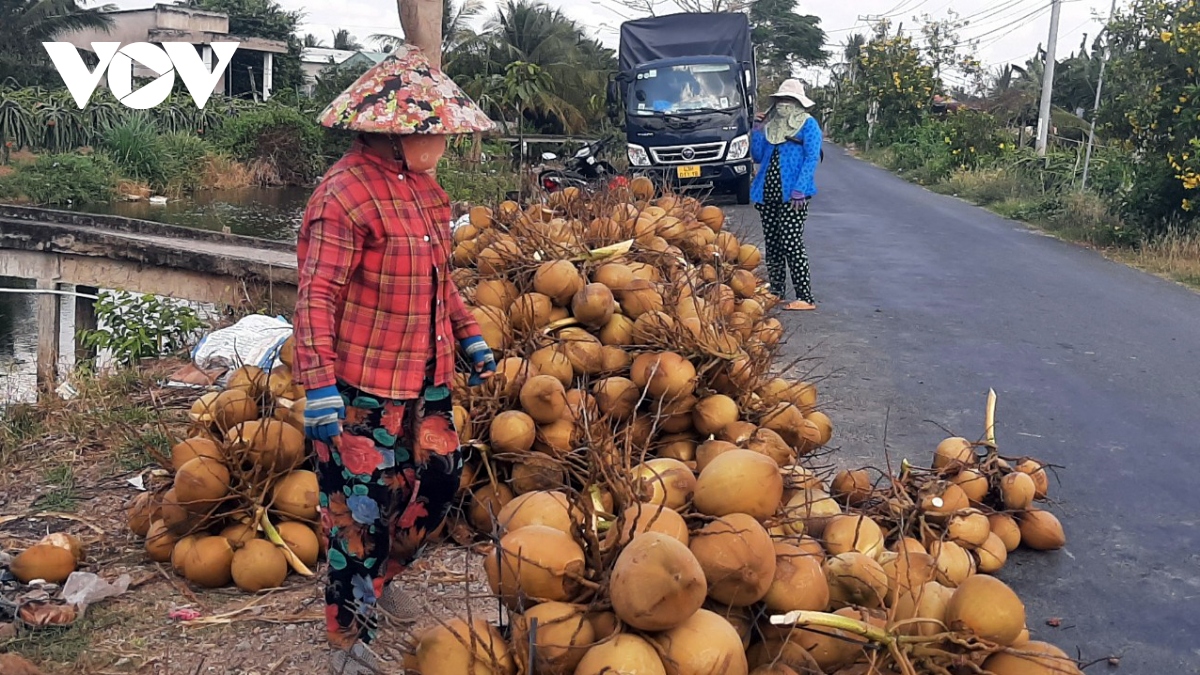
(239, 533)
(1032, 658)
(544, 398)
(160, 542)
(297, 496)
(546, 508)
(460, 648)
(738, 559)
(1005, 527)
(668, 482)
(553, 362)
(1017, 491)
(855, 579)
(852, 487)
(1041, 531)
(180, 553)
(302, 541)
(593, 305)
(498, 293)
(618, 331)
(954, 452)
(512, 431)
(714, 413)
(615, 360)
(907, 572)
(799, 582)
(287, 353)
(201, 484)
(232, 407)
(641, 518)
(1037, 472)
(704, 643)
(47, 562)
(616, 276)
(531, 311)
(639, 297)
(991, 554)
(511, 374)
(670, 376)
(139, 512)
(178, 519)
(973, 484)
(486, 503)
(67, 541)
(740, 481)
(739, 433)
(954, 563)
(558, 280)
(810, 510)
(943, 499)
(557, 438)
(208, 562)
(536, 562)
(968, 528)
(617, 397)
(563, 636)
(680, 446)
(187, 450)
(259, 565)
(583, 350)
(656, 583)
(250, 379)
(843, 534)
(925, 603)
(988, 608)
(204, 409)
(625, 654)
(270, 444)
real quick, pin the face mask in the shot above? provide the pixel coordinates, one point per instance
(422, 151)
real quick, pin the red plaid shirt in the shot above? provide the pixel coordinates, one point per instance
(376, 301)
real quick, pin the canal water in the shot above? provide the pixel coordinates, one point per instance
(266, 213)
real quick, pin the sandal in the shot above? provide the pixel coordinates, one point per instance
(799, 306)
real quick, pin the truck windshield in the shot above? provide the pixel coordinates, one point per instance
(684, 89)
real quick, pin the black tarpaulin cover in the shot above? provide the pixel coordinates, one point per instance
(682, 35)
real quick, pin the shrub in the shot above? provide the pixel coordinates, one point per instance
(183, 162)
(137, 149)
(283, 144)
(486, 184)
(63, 179)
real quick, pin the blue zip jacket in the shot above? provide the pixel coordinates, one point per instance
(797, 161)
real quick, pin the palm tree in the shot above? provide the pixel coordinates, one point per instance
(25, 24)
(343, 40)
(386, 42)
(311, 40)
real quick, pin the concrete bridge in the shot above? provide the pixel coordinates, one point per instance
(76, 254)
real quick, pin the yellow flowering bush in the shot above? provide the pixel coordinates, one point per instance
(1155, 104)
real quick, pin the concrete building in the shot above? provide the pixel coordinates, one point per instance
(313, 60)
(175, 23)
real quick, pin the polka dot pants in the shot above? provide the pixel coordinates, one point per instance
(783, 228)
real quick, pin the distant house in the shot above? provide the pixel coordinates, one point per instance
(161, 23)
(313, 60)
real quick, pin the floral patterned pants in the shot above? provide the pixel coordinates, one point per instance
(386, 483)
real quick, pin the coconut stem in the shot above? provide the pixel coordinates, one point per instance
(825, 620)
(273, 535)
(989, 420)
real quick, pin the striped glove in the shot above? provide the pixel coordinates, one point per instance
(481, 359)
(323, 413)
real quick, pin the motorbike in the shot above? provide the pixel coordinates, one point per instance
(585, 170)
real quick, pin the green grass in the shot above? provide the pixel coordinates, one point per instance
(68, 645)
(61, 495)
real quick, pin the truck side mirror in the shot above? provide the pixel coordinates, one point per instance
(611, 100)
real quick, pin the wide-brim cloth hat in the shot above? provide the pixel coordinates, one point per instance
(404, 94)
(794, 90)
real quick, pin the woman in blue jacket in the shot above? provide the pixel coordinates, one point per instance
(786, 145)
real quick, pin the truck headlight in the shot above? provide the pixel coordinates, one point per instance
(739, 147)
(638, 155)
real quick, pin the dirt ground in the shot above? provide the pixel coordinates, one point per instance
(61, 477)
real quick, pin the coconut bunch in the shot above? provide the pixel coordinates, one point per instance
(240, 503)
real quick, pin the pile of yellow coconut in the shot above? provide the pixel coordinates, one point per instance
(644, 472)
(240, 506)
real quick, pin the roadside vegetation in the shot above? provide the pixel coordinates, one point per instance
(976, 140)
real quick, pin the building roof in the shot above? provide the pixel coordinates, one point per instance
(324, 55)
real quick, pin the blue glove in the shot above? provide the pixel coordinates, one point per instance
(323, 413)
(481, 359)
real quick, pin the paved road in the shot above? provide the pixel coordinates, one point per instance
(926, 302)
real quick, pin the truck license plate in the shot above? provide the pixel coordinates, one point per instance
(689, 172)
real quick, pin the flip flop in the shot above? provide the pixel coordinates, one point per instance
(799, 306)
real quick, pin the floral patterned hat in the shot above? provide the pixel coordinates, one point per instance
(405, 94)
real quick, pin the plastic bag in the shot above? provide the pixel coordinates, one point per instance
(253, 341)
(84, 588)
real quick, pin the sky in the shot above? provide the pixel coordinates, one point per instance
(1009, 31)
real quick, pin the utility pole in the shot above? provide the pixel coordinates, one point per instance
(1048, 80)
(1087, 158)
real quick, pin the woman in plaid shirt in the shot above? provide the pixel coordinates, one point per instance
(378, 319)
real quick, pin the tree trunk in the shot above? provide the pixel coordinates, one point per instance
(422, 23)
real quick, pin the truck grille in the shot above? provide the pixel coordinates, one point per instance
(689, 154)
